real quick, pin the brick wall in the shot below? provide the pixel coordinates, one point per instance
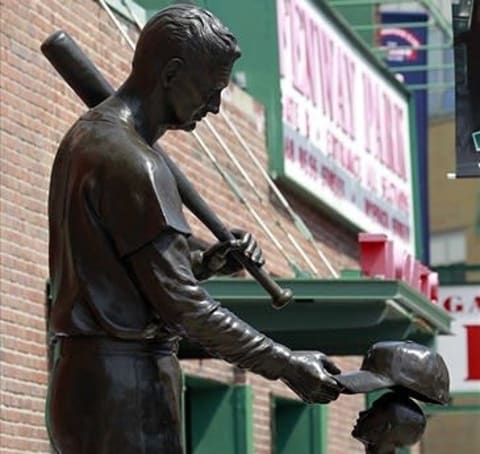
(37, 108)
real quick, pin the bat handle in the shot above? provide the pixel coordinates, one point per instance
(280, 296)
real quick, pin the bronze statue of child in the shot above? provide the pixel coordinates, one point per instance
(394, 421)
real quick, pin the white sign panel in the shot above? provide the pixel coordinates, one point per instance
(461, 351)
(346, 129)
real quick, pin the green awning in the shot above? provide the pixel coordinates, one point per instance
(336, 316)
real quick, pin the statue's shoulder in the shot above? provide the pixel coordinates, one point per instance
(106, 140)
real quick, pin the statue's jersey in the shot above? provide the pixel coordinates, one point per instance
(123, 293)
(110, 195)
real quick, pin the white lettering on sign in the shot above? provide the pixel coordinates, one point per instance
(346, 128)
(462, 350)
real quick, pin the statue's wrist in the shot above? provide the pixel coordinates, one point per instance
(283, 357)
(199, 269)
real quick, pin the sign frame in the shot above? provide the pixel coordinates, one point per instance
(277, 158)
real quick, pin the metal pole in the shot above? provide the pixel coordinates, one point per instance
(366, 2)
(295, 217)
(429, 5)
(385, 49)
(439, 17)
(409, 69)
(366, 27)
(236, 190)
(247, 178)
(438, 86)
(117, 24)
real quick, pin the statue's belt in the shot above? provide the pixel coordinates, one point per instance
(108, 345)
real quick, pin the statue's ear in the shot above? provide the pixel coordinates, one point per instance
(170, 71)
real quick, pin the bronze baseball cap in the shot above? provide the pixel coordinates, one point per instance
(406, 366)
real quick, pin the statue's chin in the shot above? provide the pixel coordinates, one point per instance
(189, 126)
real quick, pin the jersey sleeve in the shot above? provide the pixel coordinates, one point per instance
(139, 200)
(162, 269)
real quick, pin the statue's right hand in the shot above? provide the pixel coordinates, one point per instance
(309, 374)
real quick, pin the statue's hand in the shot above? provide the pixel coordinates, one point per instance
(309, 375)
(218, 258)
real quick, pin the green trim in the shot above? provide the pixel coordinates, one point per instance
(364, 2)
(432, 86)
(298, 427)
(386, 49)
(393, 25)
(457, 274)
(415, 179)
(319, 428)
(337, 316)
(463, 394)
(323, 416)
(358, 15)
(238, 292)
(427, 67)
(433, 10)
(221, 417)
(358, 44)
(403, 451)
(183, 385)
(153, 5)
(451, 409)
(243, 396)
(443, 23)
(461, 402)
(372, 396)
(138, 9)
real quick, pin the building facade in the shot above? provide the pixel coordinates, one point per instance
(226, 409)
(455, 254)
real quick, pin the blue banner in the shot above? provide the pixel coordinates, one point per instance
(406, 49)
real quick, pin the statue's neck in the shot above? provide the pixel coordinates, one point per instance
(373, 449)
(146, 119)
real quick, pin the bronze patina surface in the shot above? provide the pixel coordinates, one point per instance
(394, 421)
(405, 366)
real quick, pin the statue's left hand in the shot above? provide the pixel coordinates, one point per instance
(218, 258)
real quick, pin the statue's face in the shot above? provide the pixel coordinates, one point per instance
(195, 92)
(388, 423)
(371, 427)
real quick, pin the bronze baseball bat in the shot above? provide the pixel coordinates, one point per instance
(88, 83)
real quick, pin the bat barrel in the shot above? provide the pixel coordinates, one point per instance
(76, 68)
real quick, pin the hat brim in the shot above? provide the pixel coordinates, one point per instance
(362, 381)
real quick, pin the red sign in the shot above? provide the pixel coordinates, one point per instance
(380, 258)
(473, 342)
(461, 350)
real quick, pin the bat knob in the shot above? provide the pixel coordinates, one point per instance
(282, 298)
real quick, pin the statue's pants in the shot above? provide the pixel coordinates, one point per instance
(114, 397)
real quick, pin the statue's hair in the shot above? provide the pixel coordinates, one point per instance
(185, 31)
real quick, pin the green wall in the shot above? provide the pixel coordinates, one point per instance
(254, 23)
(357, 14)
(218, 417)
(299, 427)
